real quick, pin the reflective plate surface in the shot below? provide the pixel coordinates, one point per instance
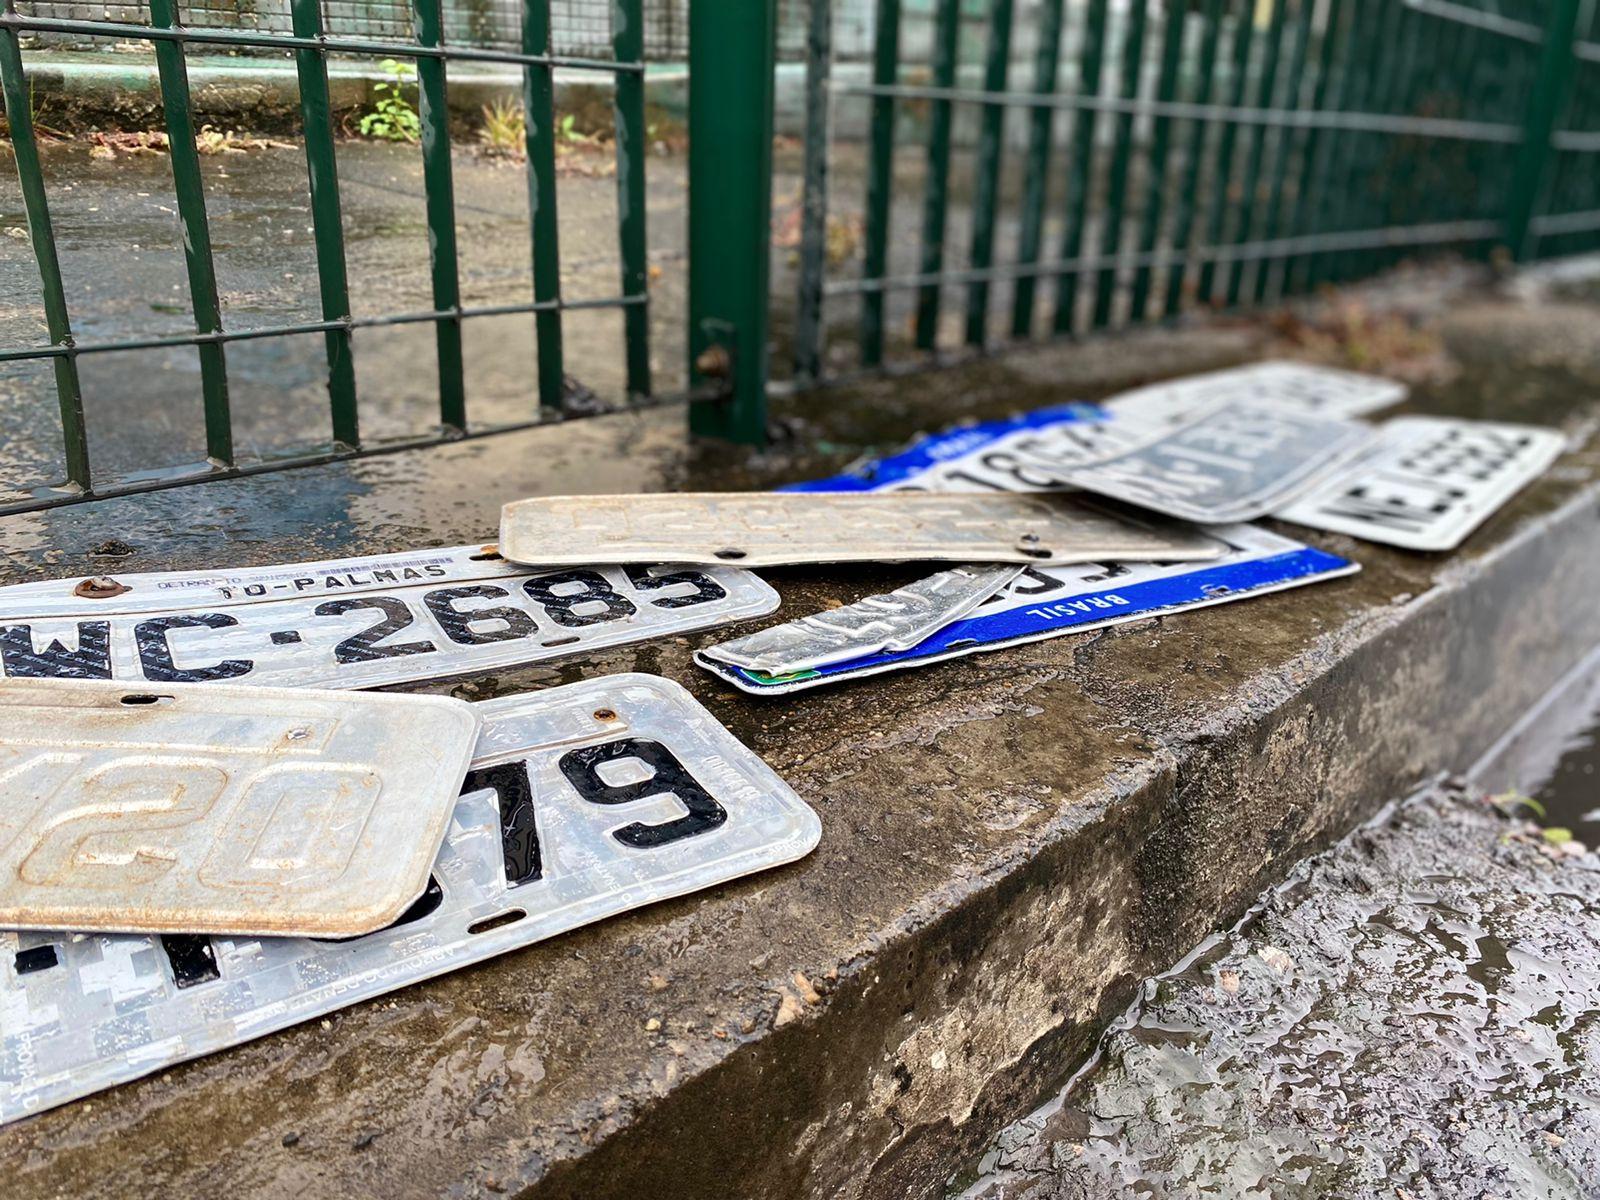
(1046, 602)
(770, 529)
(895, 621)
(990, 456)
(1235, 462)
(221, 809)
(584, 801)
(356, 623)
(1428, 481)
(1290, 386)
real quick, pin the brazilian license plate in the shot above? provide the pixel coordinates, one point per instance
(1045, 602)
(355, 623)
(1428, 481)
(582, 802)
(1290, 386)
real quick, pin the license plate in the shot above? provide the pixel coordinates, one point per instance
(783, 528)
(992, 456)
(355, 623)
(1428, 481)
(583, 802)
(221, 809)
(1046, 602)
(1290, 386)
(896, 621)
(1234, 462)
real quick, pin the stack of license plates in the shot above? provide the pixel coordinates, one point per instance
(1220, 450)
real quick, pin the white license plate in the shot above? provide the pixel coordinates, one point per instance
(1234, 462)
(897, 620)
(221, 809)
(355, 623)
(1428, 482)
(773, 528)
(583, 802)
(1047, 602)
(1291, 386)
(989, 456)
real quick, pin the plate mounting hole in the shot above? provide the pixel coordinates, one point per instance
(142, 698)
(730, 553)
(498, 921)
(605, 714)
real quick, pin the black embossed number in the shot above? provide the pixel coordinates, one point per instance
(671, 777)
(509, 623)
(519, 831)
(363, 646)
(593, 589)
(706, 589)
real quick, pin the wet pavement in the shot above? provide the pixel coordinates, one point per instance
(1413, 1014)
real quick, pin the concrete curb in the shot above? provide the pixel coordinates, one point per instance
(1012, 842)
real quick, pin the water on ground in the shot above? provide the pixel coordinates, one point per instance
(1414, 1014)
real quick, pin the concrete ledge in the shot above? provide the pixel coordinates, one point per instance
(1011, 842)
(265, 92)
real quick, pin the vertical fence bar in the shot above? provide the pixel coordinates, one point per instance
(814, 195)
(1255, 159)
(1117, 189)
(326, 220)
(1551, 85)
(189, 188)
(1355, 84)
(1036, 185)
(627, 44)
(880, 178)
(1284, 140)
(732, 50)
(986, 182)
(539, 133)
(1188, 204)
(1079, 169)
(936, 183)
(1243, 31)
(439, 188)
(1160, 142)
(1368, 148)
(69, 395)
(1313, 150)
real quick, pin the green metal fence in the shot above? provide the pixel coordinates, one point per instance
(1019, 169)
(1176, 153)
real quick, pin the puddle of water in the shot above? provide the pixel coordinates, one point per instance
(1553, 754)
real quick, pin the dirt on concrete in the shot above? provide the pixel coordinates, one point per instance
(1414, 1014)
(1011, 842)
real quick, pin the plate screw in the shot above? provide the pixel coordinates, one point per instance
(100, 588)
(605, 714)
(296, 734)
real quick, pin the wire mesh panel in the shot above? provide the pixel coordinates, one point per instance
(1023, 167)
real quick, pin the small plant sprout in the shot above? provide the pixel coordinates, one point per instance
(505, 128)
(393, 117)
(1509, 801)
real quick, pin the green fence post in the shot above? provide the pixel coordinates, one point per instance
(732, 55)
(1549, 96)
